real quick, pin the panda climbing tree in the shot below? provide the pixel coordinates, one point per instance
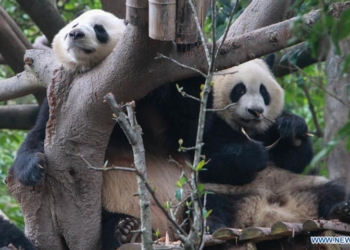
(68, 197)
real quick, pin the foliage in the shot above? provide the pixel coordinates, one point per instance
(9, 143)
(314, 80)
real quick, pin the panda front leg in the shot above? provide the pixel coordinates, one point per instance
(29, 164)
(234, 163)
(332, 202)
(293, 151)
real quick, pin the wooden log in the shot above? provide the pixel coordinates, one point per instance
(210, 241)
(258, 234)
(315, 225)
(232, 245)
(186, 28)
(162, 15)
(226, 233)
(286, 228)
(137, 12)
(137, 246)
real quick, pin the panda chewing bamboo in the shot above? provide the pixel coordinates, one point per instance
(253, 185)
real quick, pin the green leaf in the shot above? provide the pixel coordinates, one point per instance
(157, 233)
(181, 181)
(166, 205)
(200, 165)
(206, 213)
(200, 187)
(178, 194)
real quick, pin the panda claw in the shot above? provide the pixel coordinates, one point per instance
(341, 211)
(124, 228)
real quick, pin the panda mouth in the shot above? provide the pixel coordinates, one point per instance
(88, 51)
(85, 50)
(254, 120)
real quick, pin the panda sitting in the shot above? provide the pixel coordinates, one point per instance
(254, 102)
(263, 189)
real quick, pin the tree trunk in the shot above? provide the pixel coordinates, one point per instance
(336, 112)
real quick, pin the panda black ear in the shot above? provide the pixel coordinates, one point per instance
(270, 60)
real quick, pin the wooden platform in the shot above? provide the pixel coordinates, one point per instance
(282, 235)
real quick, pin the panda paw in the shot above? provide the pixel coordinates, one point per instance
(341, 211)
(291, 126)
(29, 168)
(124, 228)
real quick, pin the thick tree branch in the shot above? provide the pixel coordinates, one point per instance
(38, 73)
(117, 7)
(12, 47)
(266, 12)
(45, 15)
(18, 116)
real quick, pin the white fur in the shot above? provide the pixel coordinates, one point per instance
(70, 53)
(252, 74)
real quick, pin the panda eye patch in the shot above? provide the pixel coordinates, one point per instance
(265, 94)
(238, 91)
(101, 33)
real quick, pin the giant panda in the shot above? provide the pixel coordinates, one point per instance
(87, 40)
(258, 102)
(12, 235)
(78, 47)
(254, 185)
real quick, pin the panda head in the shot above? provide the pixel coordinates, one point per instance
(255, 92)
(87, 40)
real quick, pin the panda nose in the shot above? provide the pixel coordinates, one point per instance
(76, 34)
(256, 111)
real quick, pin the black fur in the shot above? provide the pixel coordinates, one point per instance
(265, 94)
(285, 154)
(115, 226)
(10, 234)
(101, 33)
(237, 92)
(30, 156)
(234, 159)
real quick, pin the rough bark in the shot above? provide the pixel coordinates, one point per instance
(37, 75)
(260, 14)
(45, 15)
(336, 113)
(117, 7)
(18, 116)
